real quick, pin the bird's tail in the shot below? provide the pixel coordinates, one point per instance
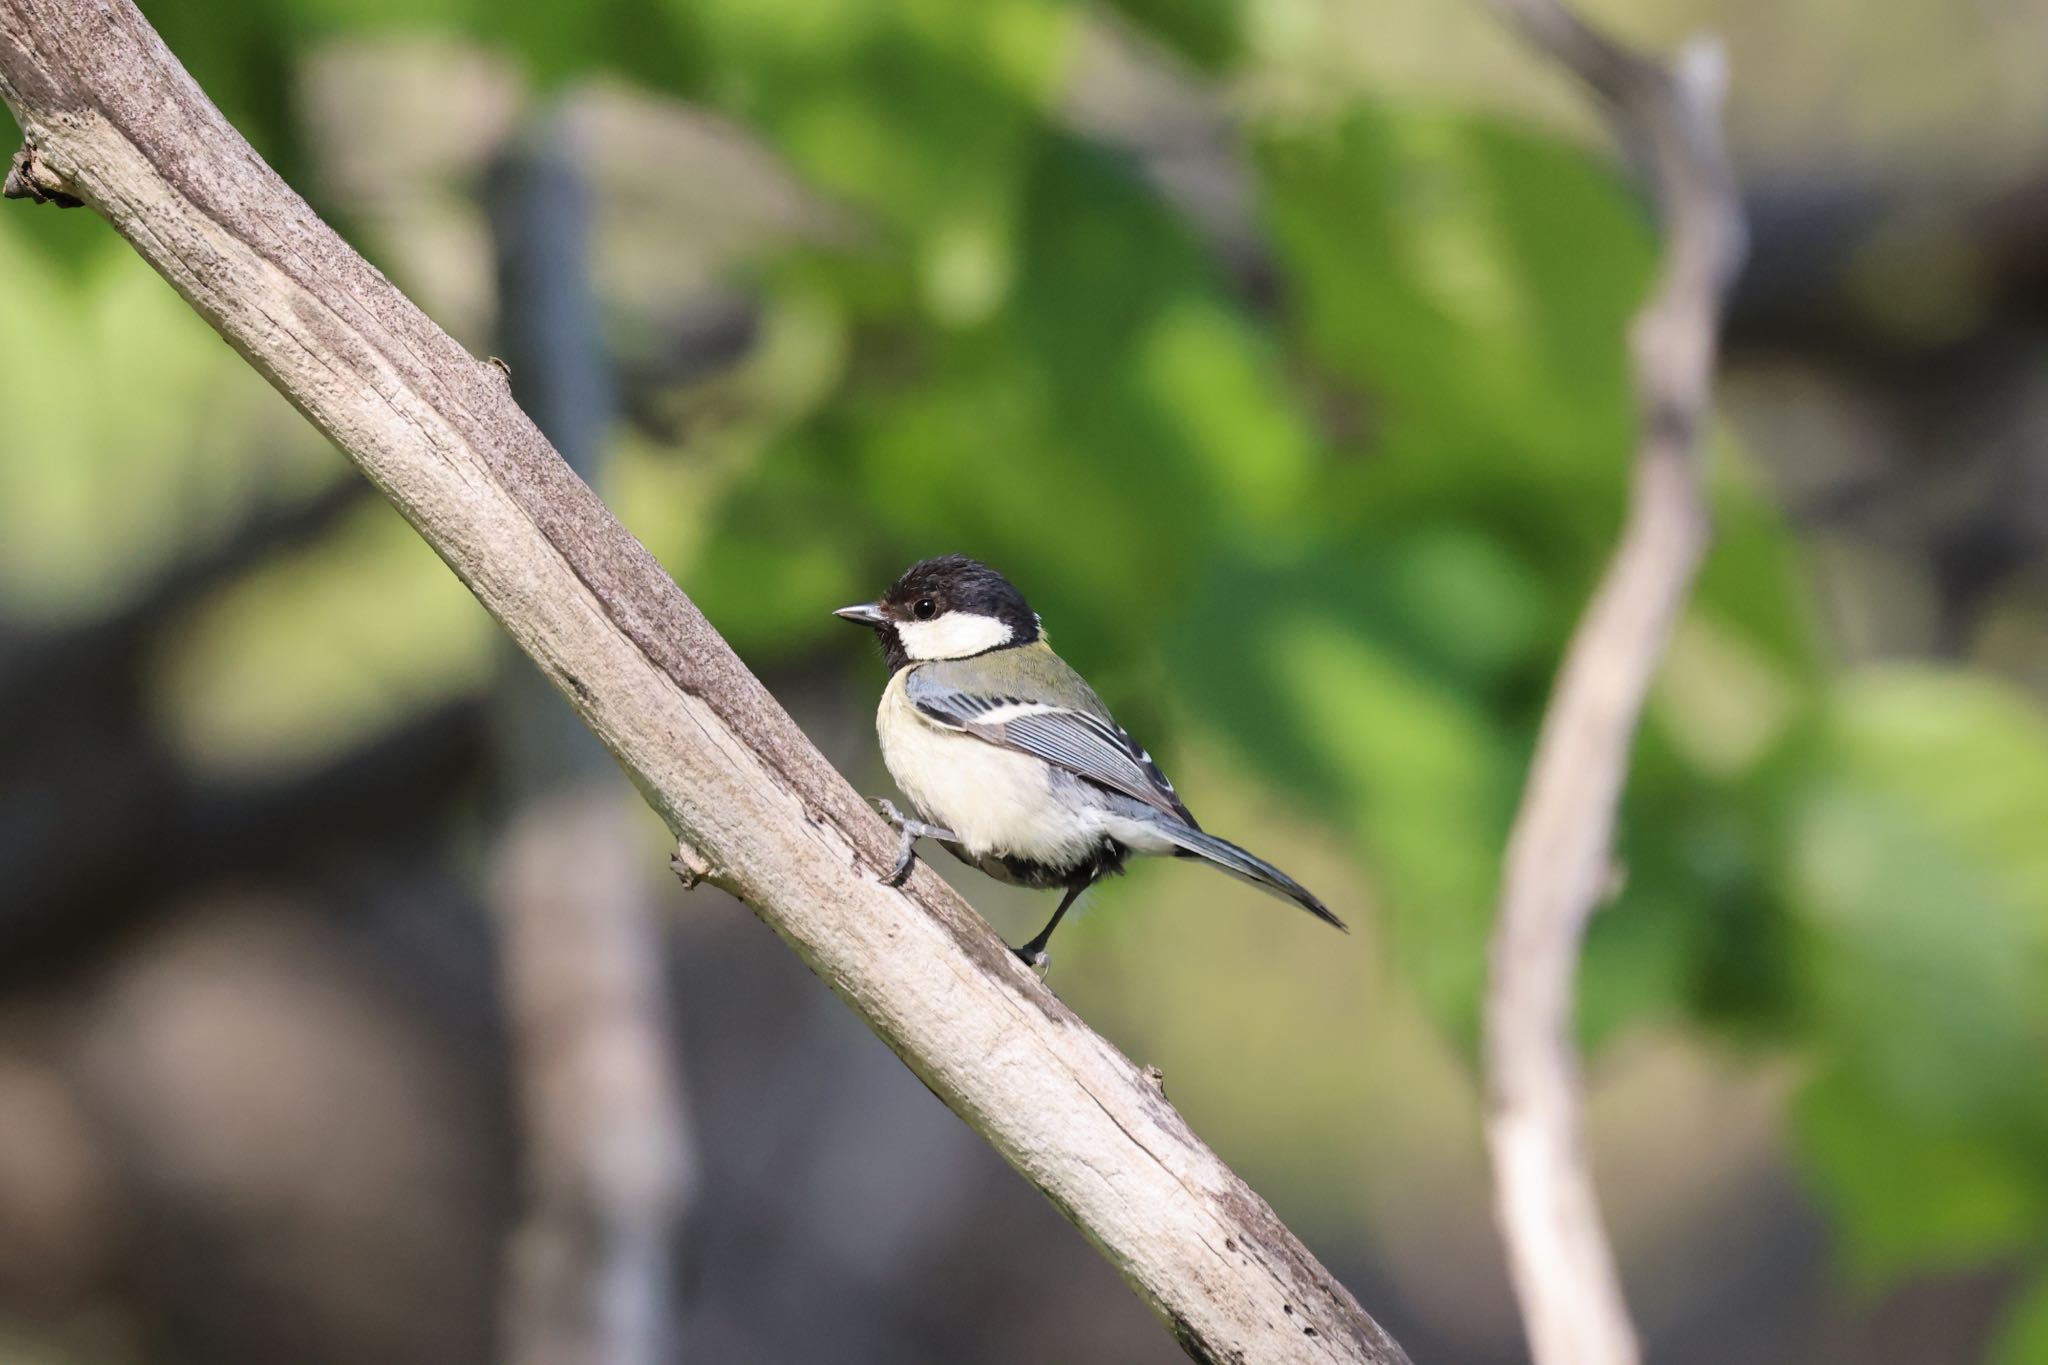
(1195, 843)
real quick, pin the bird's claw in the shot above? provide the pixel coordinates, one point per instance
(911, 831)
(905, 856)
(1036, 960)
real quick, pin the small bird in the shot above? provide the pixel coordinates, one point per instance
(1011, 759)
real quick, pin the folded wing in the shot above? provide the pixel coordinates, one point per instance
(1089, 746)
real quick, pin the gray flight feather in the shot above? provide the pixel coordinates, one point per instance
(1249, 867)
(1029, 700)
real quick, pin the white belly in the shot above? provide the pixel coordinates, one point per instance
(998, 801)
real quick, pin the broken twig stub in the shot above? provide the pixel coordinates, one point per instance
(30, 177)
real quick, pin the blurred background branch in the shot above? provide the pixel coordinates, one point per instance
(591, 1275)
(1560, 859)
(607, 1166)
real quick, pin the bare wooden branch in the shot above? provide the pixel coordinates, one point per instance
(116, 122)
(1559, 853)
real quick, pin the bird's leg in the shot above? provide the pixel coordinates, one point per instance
(1033, 953)
(912, 831)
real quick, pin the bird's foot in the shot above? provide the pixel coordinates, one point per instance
(910, 831)
(906, 854)
(1034, 956)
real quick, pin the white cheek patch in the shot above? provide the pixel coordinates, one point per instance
(955, 635)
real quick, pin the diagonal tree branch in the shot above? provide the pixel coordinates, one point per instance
(1558, 857)
(113, 120)
(607, 1157)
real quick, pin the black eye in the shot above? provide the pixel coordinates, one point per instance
(924, 608)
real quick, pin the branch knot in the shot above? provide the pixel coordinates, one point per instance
(30, 177)
(691, 867)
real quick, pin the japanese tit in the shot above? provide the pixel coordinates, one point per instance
(1011, 759)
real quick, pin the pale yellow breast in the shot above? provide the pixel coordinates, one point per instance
(996, 800)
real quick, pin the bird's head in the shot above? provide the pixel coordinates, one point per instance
(951, 607)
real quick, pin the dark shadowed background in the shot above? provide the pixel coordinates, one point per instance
(1274, 347)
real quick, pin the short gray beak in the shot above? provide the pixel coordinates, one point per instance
(866, 614)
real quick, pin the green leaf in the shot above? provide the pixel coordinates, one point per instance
(1325, 680)
(1209, 33)
(1112, 423)
(2023, 1337)
(95, 495)
(1921, 877)
(937, 158)
(1476, 280)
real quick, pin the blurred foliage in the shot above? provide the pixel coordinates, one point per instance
(1342, 536)
(2024, 1340)
(1922, 881)
(97, 495)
